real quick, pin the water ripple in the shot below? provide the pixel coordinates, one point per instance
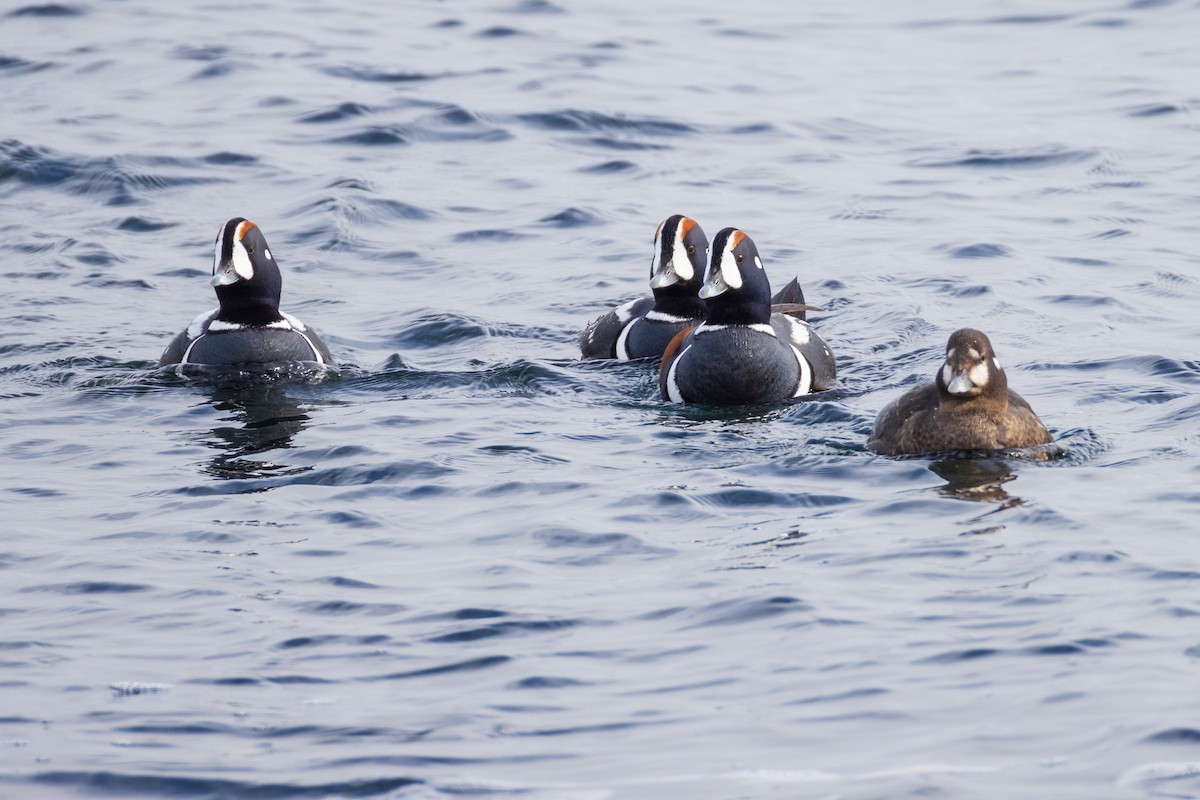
(49, 10)
(119, 180)
(1034, 157)
(118, 784)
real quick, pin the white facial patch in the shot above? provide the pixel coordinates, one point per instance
(973, 354)
(731, 276)
(947, 374)
(267, 253)
(679, 258)
(978, 374)
(996, 364)
(758, 262)
(241, 261)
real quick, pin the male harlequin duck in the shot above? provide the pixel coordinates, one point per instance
(968, 407)
(742, 352)
(248, 328)
(642, 328)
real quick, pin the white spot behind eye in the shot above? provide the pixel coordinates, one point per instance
(758, 262)
(996, 364)
(267, 253)
(973, 354)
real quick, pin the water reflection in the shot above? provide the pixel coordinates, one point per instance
(266, 420)
(979, 480)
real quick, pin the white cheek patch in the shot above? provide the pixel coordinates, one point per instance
(730, 273)
(241, 261)
(680, 261)
(947, 374)
(979, 374)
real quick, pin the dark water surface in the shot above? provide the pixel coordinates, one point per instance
(473, 566)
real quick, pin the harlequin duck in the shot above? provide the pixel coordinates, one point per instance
(248, 328)
(742, 352)
(968, 407)
(642, 328)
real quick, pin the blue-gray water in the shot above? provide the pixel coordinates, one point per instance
(477, 567)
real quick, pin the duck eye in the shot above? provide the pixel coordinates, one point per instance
(741, 258)
(691, 249)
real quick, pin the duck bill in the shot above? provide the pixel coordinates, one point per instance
(959, 383)
(713, 287)
(225, 275)
(665, 276)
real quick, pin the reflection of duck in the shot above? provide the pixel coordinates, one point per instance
(978, 480)
(269, 420)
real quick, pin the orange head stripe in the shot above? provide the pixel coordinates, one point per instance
(685, 226)
(244, 227)
(735, 239)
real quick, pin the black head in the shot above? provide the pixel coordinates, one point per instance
(677, 269)
(971, 369)
(245, 275)
(735, 285)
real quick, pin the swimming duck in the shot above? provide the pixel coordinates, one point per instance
(642, 328)
(248, 327)
(968, 407)
(743, 352)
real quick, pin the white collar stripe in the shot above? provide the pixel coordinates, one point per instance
(622, 346)
(673, 392)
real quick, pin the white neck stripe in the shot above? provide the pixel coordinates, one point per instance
(659, 316)
(761, 327)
